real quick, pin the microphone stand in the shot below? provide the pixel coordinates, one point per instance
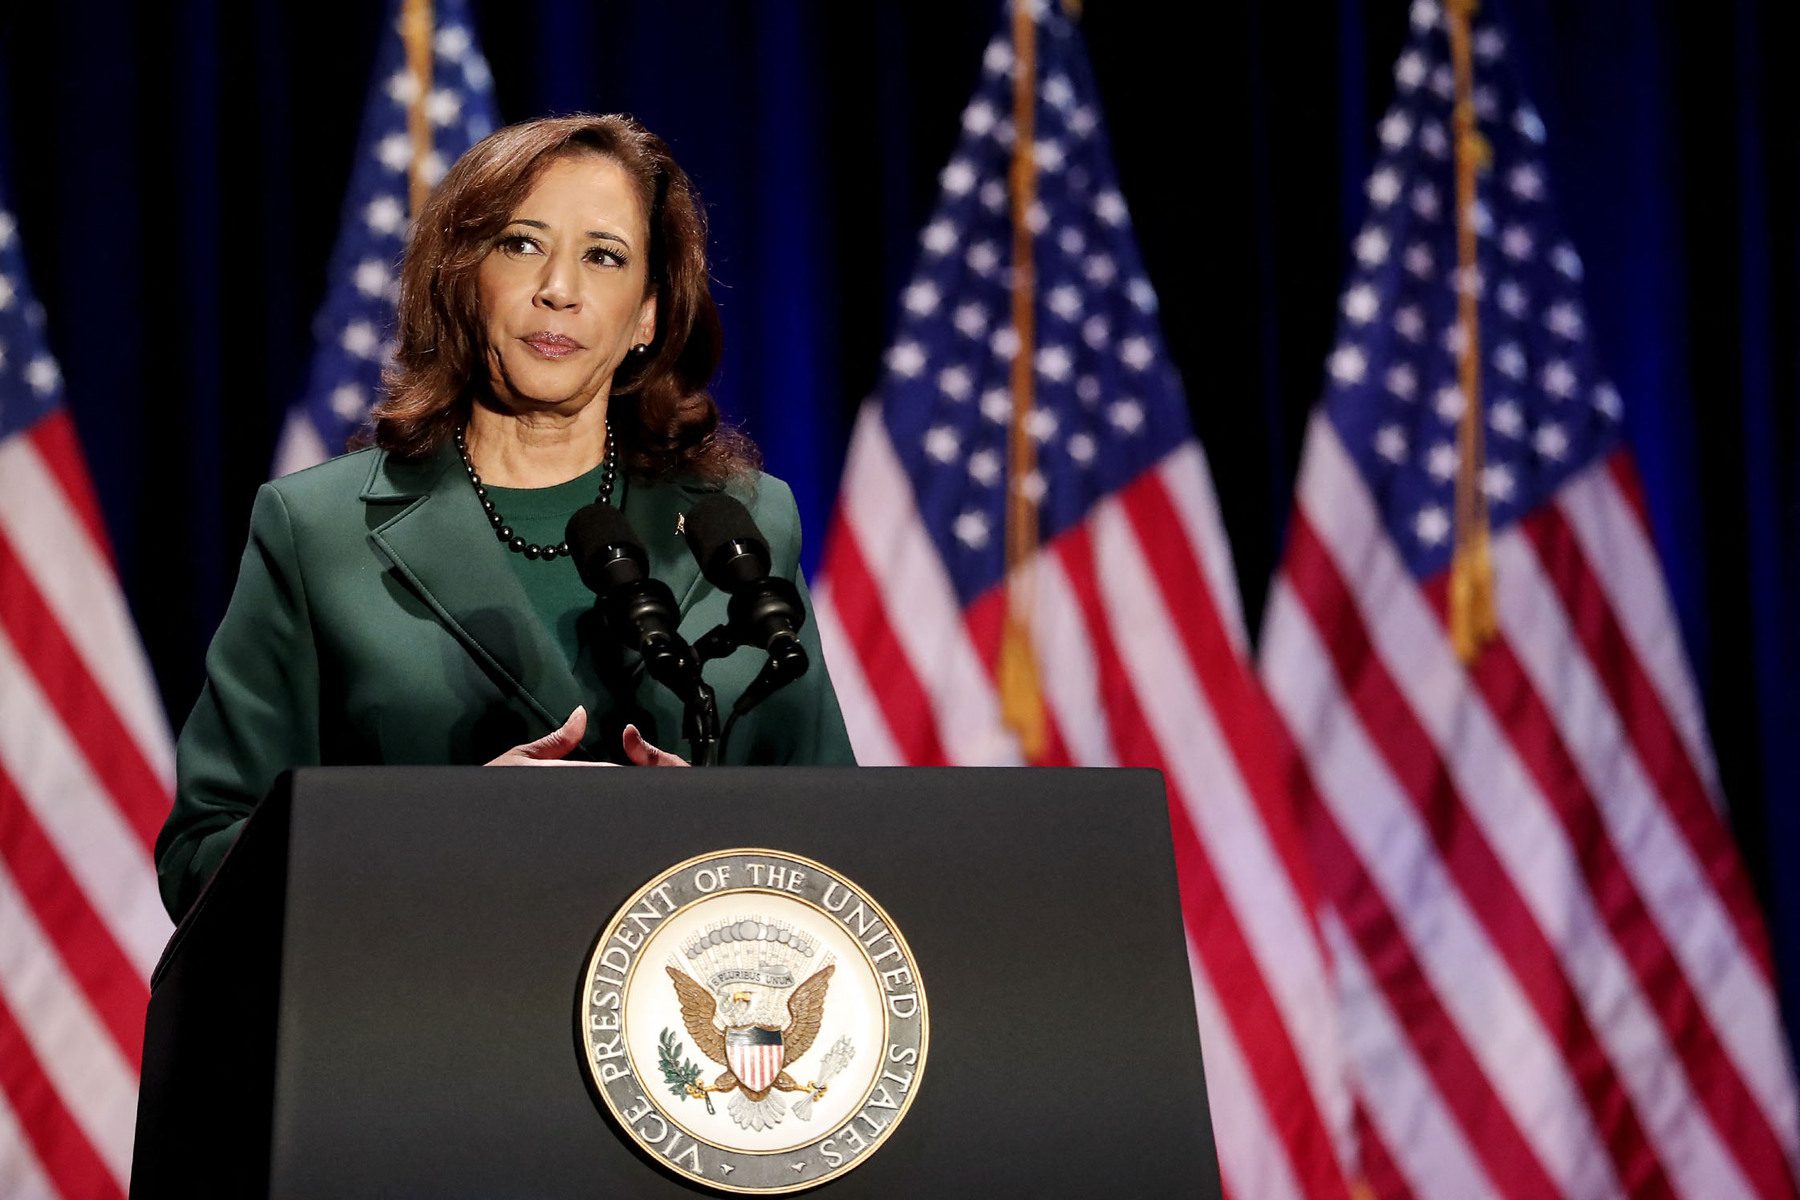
(700, 724)
(640, 613)
(678, 669)
(764, 611)
(668, 659)
(787, 660)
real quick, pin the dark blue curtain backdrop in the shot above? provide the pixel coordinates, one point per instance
(177, 171)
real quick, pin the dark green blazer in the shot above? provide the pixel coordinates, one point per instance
(376, 620)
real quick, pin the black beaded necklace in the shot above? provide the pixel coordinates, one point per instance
(503, 531)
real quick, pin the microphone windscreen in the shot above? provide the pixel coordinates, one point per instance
(606, 549)
(726, 542)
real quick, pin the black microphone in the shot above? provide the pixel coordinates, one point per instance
(640, 612)
(765, 610)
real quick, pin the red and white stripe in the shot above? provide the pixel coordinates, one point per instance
(1140, 646)
(1526, 859)
(756, 1064)
(86, 774)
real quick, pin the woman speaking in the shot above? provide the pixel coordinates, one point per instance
(414, 602)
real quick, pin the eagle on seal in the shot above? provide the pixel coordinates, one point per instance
(755, 1055)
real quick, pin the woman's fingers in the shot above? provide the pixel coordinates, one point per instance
(558, 742)
(644, 754)
(552, 748)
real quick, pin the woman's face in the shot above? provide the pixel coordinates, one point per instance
(563, 290)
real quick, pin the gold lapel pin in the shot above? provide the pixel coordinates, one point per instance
(680, 522)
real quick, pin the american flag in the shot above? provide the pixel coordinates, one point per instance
(353, 333)
(1552, 975)
(1134, 617)
(86, 775)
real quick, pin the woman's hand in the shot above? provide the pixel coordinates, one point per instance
(551, 749)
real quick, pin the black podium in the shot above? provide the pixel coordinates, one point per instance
(376, 997)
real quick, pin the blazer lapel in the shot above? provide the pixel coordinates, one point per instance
(655, 510)
(438, 541)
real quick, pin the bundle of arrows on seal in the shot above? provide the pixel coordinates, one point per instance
(836, 1059)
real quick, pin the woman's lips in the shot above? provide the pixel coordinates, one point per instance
(551, 345)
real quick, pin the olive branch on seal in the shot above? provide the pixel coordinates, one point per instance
(678, 1073)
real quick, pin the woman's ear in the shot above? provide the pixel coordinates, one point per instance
(646, 327)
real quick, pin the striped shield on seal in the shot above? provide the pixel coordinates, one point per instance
(754, 1055)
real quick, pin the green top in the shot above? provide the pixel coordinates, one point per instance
(554, 588)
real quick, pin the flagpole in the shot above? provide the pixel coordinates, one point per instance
(1021, 695)
(1473, 623)
(416, 31)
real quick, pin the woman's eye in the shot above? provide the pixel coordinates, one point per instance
(518, 243)
(605, 257)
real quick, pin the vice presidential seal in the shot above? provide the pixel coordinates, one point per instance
(755, 1020)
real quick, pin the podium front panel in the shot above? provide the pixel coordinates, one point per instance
(438, 923)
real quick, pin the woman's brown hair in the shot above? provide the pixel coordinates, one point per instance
(665, 420)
